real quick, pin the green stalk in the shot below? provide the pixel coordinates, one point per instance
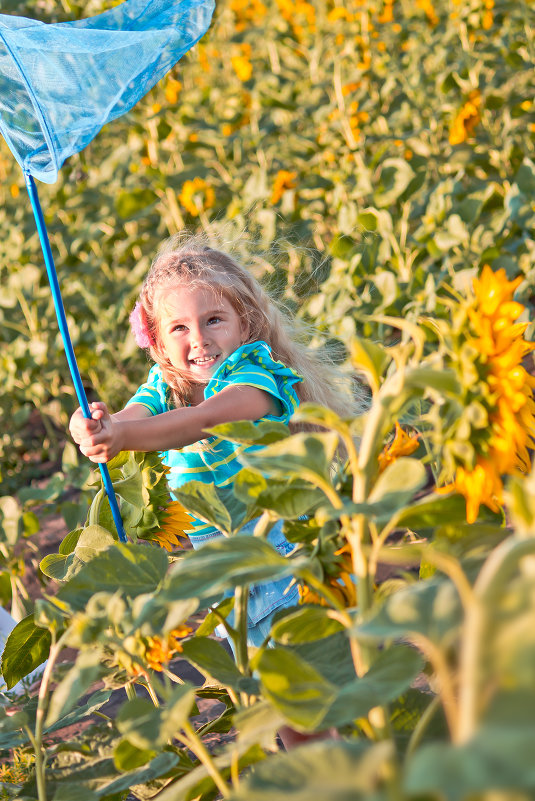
(240, 611)
(152, 693)
(497, 569)
(446, 684)
(130, 691)
(326, 488)
(42, 702)
(195, 744)
(420, 728)
(94, 510)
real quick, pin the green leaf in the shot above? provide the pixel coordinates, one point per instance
(498, 757)
(26, 648)
(127, 757)
(56, 566)
(146, 726)
(222, 564)
(294, 687)
(389, 676)
(429, 608)
(74, 684)
(120, 460)
(139, 722)
(302, 456)
(93, 704)
(198, 782)
(326, 771)
(263, 433)
(443, 381)
(290, 499)
(429, 512)
(330, 656)
(371, 359)
(131, 488)
(395, 176)
(398, 484)
(157, 767)
(215, 505)
(131, 569)
(11, 522)
(131, 203)
(258, 724)
(305, 625)
(212, 660)
(212, 620)
(522, 502)
(49, 615)
(92, 541)
(68, 543)
(319, 415)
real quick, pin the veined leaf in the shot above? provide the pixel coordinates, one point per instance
(431, 608)
(304, 456)
(73, 685)
(224, 563)
(326, 770)
(26, 648)
(215, 505)
(212, 660)
(132, 569)
(263, 433)
(290, 499)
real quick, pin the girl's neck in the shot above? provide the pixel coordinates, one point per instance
(197, 394)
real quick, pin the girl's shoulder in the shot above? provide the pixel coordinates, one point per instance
(254, 356)
(154, 392)
(253, 365)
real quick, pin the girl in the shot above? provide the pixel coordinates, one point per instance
(223, 352)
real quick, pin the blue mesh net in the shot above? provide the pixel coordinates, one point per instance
(60, 83)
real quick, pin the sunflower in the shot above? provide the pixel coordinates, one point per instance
(341, 585)
(196, 196)
(173, 521)
(505, 389)
(283, 180)
(149, 511)
(160, 650)
(403, 444)
(466, 119)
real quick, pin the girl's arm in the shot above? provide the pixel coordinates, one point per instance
(131, 431)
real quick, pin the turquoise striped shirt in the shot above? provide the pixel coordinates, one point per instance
(216, 460)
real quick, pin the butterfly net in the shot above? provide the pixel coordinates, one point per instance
(60, 83)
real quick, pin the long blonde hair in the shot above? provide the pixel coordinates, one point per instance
(193, 263)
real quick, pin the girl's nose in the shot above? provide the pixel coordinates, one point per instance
(197, 337)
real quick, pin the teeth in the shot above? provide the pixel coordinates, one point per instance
(204, 360)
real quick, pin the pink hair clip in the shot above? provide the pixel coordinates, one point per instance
(140, 329)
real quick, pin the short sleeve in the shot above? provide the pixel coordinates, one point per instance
(252, 365)
(153, 394)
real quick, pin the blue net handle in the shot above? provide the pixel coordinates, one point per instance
(67, 343)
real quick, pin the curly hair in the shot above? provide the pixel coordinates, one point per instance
(195, 264)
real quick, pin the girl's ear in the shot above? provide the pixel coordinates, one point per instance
(244, 329)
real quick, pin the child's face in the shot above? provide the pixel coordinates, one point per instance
(199, 329)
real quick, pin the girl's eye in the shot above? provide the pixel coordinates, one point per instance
(214, 320)
(179, 328)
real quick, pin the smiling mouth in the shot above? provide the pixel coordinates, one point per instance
(204, 361)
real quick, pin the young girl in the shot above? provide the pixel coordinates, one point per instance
(223, 352)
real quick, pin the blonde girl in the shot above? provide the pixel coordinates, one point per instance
(223, 351)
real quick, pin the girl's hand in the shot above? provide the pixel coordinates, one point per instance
(97, 438)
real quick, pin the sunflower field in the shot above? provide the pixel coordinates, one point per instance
(373, 163)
